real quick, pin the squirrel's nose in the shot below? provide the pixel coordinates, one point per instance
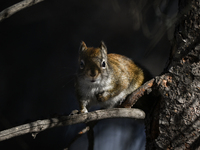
(92, 73)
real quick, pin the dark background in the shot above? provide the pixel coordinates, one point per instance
(38, 61)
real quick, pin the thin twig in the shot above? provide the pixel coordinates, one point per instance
(83, 131)
(17, 7)
(41, 125)
(90, 135)
(133, 97)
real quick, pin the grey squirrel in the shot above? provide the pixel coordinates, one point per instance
(104, 79)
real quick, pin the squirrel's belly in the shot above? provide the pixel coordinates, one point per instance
(89, 93)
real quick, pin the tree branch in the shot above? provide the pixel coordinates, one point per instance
(133, 97)
(17, 7)
(41, 125)
(90, 135)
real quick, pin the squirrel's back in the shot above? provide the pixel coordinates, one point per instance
(125, 70)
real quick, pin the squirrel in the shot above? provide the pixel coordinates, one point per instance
(105, 79)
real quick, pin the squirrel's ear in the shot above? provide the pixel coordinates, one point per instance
(82, 47)
(103, 46)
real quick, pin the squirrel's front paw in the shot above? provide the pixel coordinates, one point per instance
(101, 97)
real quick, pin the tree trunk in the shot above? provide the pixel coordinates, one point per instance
(175, 123)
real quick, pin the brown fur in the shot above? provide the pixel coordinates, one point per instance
(106, 86)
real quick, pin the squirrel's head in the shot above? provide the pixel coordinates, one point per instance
(93, 65)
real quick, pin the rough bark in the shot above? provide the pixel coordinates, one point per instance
(175, 122)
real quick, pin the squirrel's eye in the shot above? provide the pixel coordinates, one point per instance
(82, 64)
(103, 64)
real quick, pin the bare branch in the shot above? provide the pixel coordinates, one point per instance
(41, 125)
(17, 7)
(90, 135)
(132, 98)
(83, 131)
